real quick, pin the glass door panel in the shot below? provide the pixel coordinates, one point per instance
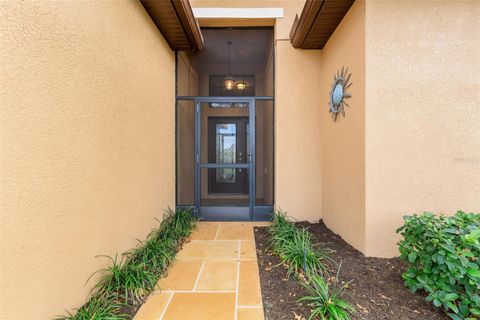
(225, 151)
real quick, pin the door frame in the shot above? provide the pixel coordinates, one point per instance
(225, 212)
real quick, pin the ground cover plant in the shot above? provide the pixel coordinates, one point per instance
(326, 299)
(127, 281)
(307, 262)
(443, 259)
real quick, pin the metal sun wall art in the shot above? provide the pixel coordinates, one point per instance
(338, 94)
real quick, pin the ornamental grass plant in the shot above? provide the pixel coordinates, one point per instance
(306, 260)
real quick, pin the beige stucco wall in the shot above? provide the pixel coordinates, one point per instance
(343, 141)
(87, 144)
(297, 132)
(422, 116)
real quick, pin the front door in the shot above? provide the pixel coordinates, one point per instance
(225, 158)
(227, 144)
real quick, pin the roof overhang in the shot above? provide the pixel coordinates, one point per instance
(317, 22)
(176, 22)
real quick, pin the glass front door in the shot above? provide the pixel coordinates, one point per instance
(227, 144)
(225, 158)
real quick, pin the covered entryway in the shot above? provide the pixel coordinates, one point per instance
(224, 124)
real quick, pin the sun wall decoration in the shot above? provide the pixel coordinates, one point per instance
(338, 94)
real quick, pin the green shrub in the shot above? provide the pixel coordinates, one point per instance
(124, 279)
(176, 225)
(325, 300)
(281, 230)
(301, 255)
(97, 308)
(155, 254)
(295, 247)
(443, 258)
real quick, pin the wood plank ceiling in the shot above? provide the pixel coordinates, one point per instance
(176, 22)
(317, 22)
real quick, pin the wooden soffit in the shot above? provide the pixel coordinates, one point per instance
(317, 22)
(176, 22)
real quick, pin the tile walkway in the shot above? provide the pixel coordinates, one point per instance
(214, 277)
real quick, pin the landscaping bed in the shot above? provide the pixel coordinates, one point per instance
(376, 291)
(125, 283)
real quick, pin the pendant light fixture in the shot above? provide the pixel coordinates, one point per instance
(229, 81)
(241, 85)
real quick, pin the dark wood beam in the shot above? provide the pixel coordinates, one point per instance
(176, 22)
(317, 22)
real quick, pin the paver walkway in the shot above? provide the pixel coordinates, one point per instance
(214, 277)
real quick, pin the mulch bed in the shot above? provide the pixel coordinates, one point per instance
(377, 289)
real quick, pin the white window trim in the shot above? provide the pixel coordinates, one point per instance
(238, 13)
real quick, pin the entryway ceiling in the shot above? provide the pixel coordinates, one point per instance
(249, 46)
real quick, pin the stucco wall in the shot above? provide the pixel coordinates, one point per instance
(297, 132)
(422, 114)
(87, 144)
(343, 140)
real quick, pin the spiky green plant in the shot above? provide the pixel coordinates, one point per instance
(98, 308)
(156, 255)
(325, 301)
(295, 247)
(128, 280)
(281, 230)
(177, 224)
(301, 255)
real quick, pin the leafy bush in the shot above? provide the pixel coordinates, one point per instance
(131, 278)
(443, 257)
(325, 300)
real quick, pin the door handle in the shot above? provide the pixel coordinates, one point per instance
(239, 160)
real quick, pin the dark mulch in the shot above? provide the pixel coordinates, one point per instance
(377, 289)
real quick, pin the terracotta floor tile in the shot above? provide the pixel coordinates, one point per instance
(250, 314)
(249, 293)
(218, 275)
(201, 306)
(248, 250)
(199, 249)
(236, 231)
(152, 309)
(205, 231)
(181, 276)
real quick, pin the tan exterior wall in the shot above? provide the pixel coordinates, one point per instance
(87, 144)
(422, 115)
(343, 141)
(297, 132)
